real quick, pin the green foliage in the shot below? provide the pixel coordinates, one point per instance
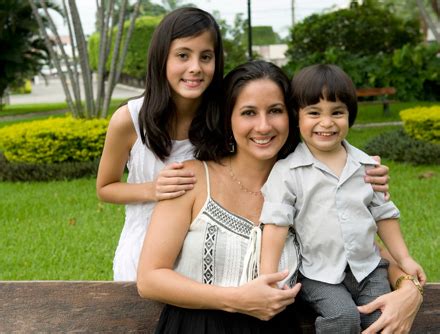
(261, 35)
(376, 48)
(422, 123)
(24, 88)
(54, 140)
(23, 49)
(399, 146)
(135, 64)
(235, 48)
(364, 30)
(16, 171)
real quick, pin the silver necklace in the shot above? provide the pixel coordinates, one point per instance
(242, 187)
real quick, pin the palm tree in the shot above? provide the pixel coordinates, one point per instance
(24, 51)
(171, 5)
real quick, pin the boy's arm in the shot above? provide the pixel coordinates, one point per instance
(274, 238)
(389, 232)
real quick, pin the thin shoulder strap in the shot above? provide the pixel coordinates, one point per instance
(207, 178)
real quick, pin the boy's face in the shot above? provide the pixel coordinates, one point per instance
(324, 125)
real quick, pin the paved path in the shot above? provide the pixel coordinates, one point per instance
(53, 92)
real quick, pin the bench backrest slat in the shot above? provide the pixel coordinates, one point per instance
(115, 307)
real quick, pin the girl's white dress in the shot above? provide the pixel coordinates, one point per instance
(143, 166)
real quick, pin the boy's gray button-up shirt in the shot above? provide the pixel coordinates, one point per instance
(335, 218)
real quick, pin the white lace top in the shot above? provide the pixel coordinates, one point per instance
(143, 166)
(216, 244)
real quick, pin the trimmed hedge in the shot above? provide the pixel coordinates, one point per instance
(422, 123)
(10, 171)
(399, 146)
(54, 140)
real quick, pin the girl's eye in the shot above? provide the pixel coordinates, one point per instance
(312, 113)
(182, 55)
(207, 57)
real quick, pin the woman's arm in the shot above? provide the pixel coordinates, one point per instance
(379, 177)
(399, 307)
(121, 136)
(157, 280)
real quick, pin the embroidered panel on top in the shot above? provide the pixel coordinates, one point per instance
(228, 220)
(208, 267)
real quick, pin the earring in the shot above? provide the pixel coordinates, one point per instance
(231, 145)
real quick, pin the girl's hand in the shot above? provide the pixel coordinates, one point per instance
(379, 178)
(258, 299)
(399, 309)
(173, 181)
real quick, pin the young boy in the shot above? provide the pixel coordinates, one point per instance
(320, 190)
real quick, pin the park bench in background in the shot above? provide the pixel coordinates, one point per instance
(115, 307)
(382, 92)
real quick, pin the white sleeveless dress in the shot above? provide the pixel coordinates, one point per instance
(218, 242)
(143, 166)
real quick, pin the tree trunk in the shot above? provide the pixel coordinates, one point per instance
(115, 56)
(432, 26)
(75, 59)
(54, 57)
(73, 82)
(83, 59)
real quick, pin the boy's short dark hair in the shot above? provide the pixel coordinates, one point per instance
(324, 81)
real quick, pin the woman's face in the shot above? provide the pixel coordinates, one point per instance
(191, 66)
(260, 123)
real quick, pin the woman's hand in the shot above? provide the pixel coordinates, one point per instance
(399, 309)
(173, 181)
(379, 178)
(258, 299)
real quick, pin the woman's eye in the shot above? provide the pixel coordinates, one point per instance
(276, 111)
(247, 113)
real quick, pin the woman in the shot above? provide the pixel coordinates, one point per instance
(194, 251)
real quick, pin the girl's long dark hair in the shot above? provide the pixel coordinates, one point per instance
(158, 109)
(216, 146)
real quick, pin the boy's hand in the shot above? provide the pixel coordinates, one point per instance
(411, 267)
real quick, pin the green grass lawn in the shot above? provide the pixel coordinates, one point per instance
(57, 231)
(60, 231)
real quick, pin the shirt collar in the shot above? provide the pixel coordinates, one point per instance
(303, 157)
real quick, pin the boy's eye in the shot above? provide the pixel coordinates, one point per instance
(312, 113)
(339, 112)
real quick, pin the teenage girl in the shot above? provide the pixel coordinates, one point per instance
(152, 135)
(155, 133)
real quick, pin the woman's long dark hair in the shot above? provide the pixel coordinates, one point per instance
(158, 109)
(217, 145)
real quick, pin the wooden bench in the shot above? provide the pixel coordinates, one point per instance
(382, 92)
(115, 307)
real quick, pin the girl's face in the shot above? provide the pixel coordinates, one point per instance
(324, 125)
(190, 66)
(260, 122)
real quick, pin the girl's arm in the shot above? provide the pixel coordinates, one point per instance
(157, 280)
(389, 232)
(120, 138)
(399, 307)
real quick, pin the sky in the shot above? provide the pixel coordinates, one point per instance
(275, 13)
